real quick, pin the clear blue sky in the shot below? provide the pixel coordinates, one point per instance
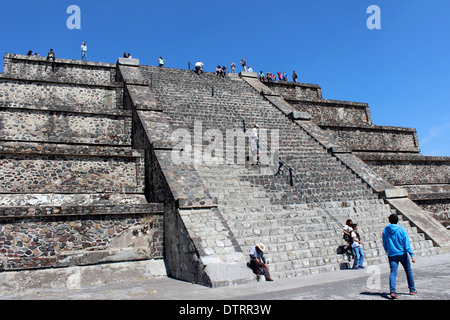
(401, 70)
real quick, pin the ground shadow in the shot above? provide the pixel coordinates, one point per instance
(379, 294)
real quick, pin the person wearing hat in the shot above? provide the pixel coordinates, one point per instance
(258, 262)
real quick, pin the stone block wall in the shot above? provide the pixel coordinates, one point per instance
(427, 179)
(60, 96)
(48, 174)
(181, 255)
(291, 90)
(72, 188)
(32, 238)
(70, 71)
(333, 111)
(65, 127)
(439, 209)
(424, 178)
(411, 169)
(374, 138)
(349, 122)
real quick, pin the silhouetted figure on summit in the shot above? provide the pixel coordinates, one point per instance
(51, 56)
(84, 51)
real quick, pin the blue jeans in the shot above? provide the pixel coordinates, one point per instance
(83, 55)
(359, 257)
(393, 263)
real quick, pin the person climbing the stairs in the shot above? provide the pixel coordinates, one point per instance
(254, 144)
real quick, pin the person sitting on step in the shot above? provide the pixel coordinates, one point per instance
(258, 262)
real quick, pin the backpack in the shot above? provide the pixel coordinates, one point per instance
(347, 238)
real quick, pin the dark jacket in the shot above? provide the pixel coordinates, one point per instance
(257, 254)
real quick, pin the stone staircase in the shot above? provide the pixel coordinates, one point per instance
(72, 185)
(392, 152)
(300, 236)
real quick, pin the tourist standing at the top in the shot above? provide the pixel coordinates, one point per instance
(244, 64)
(161, 62)
(51, 56)
(233, 67)
(84, 51)
(294, 76)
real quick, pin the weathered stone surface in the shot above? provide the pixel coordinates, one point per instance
(434, 230)
(257, 206)
(32, 173)
(392, 152)
(43, 95)
(325, 111)
(395, 193)
(70, 141)
(299, 115)
(73, 278)
(128, 62)
(185, 183)
(66, 71)
(64, 127)
(73, 189)
(291, 90)
(374, 138)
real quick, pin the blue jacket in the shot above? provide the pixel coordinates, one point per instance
(396, 241)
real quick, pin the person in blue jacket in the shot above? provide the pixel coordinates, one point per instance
(397, 245)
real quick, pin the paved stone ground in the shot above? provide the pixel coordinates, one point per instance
(432, 277)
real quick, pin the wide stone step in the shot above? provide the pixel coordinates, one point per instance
(305, 168)
(286, 261)
(60, 236)
(79, 210)
(67, 97)
(37, 173)
(321, 238)
(40, 148)
(63, 199)
(64, 127)
(66, 71)
(300, 186)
